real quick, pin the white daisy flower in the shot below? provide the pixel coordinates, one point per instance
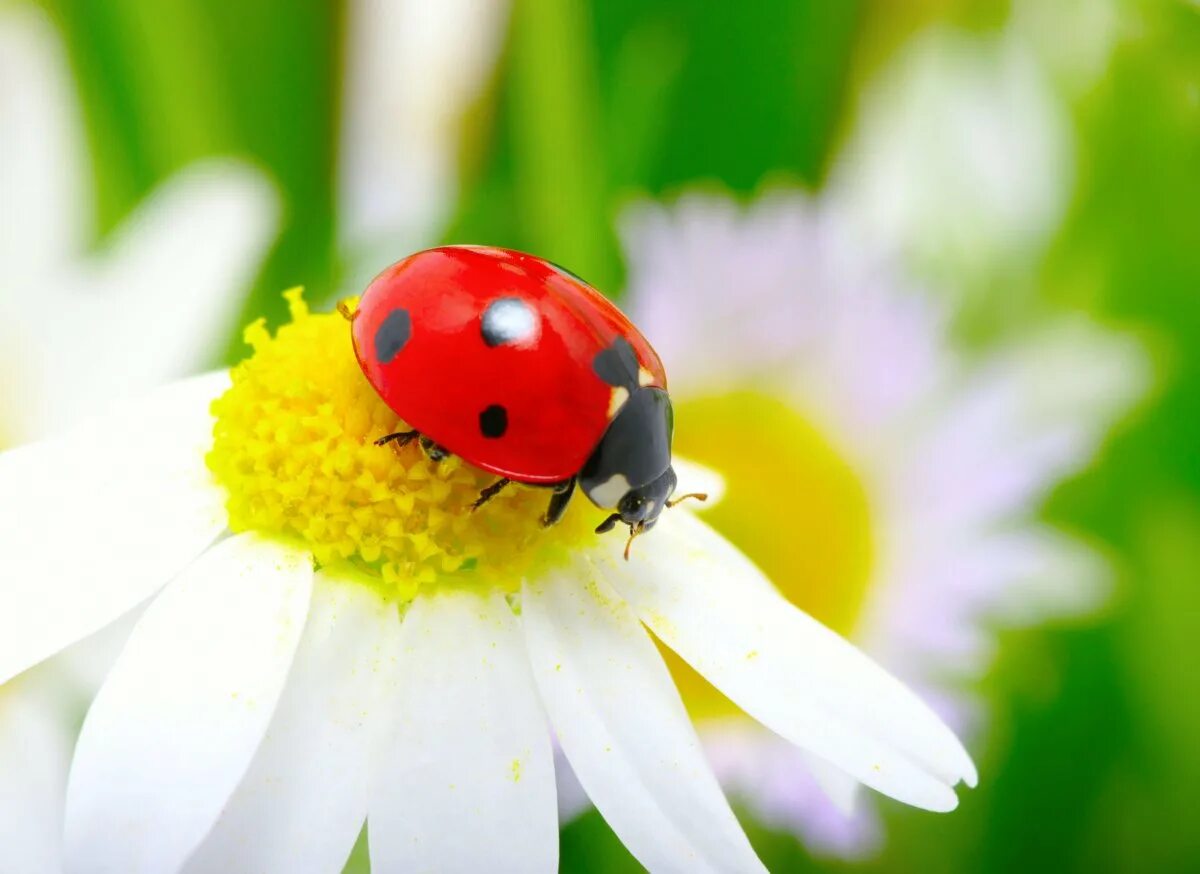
(886, 483)
(331, 638)
(78, 328)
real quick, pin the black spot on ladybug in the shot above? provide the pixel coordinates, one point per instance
(508, 320)
(617, 365)
(391, 335)
(493, 421)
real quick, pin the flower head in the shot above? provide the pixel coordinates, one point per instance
(888, 485)
(337, 639)
(294, 445)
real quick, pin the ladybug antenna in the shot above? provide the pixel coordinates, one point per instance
(634, 532)
(348, 314)
(699, 496)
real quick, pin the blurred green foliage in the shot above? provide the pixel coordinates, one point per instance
(164, 85)
(600, 101)
(1093, 760)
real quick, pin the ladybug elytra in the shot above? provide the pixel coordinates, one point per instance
(524, 370)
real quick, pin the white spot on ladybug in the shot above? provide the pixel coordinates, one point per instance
(645, 377)
(619, 396)
(508, 321)
(609, 493)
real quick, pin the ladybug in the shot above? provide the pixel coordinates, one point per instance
(522, 369)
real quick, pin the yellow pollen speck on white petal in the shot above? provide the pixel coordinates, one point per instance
(294, 447)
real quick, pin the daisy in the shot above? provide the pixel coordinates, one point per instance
(888, 485)
(330, 639)
(78, 328)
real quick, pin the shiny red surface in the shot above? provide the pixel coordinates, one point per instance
(558, 408)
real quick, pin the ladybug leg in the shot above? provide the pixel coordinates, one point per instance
(608, 524)
(435, 451)
(400, 438)
(558, 502)
(490, 492)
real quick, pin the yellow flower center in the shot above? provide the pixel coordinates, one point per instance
(294, 445)
(792, 504)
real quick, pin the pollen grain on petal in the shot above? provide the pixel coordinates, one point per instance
(294, 446)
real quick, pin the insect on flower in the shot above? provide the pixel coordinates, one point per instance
(330, 639)
(551, 384)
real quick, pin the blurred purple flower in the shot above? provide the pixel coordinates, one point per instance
(953, 453)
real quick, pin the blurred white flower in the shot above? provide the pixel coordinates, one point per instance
(1073, 39)
(889, 485)
(79, 328)
(412, 70)
(960, 158)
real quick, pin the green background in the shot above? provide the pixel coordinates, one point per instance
(1092, 759)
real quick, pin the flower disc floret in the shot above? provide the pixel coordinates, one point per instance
(294, 447)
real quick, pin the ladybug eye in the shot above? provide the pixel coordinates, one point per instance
(631, 502)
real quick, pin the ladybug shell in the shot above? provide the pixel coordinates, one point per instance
(493, 354)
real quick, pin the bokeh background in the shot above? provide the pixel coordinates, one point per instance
(1023, 161)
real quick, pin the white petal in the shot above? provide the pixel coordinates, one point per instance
(42, 153)
(93, 523)
(302, 804)
(706, 601)
(468, 781)
(696, 478)
(176, 725)
(623, 727)
(34, 751)
(200, 238)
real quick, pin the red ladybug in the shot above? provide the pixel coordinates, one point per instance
(522, 369)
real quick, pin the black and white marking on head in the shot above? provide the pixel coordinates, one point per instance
(493, 421)
(617, 365)
(634, 451)
(391, 335)
(508, 320)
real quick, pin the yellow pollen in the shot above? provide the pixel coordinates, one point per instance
(294, 446)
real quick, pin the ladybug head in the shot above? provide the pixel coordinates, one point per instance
(639, 508)
(630, 469)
